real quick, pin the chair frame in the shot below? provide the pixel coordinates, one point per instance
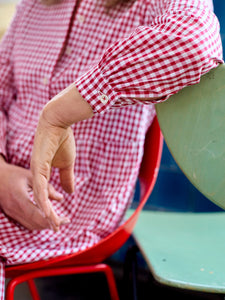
(90, 260)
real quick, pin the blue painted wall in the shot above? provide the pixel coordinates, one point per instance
(219, 8)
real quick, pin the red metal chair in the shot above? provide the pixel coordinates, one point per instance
(90, 260)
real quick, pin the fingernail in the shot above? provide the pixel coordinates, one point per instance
(65, 221)
(59, 195)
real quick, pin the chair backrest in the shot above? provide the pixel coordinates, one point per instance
(110, 244)
(150, 162)
(193, 125)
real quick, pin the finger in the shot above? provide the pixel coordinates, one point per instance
(53, 194)
(40, 190)
(41, 196)
(67, 179)
(56, 221)
(34, 218)
(26, 213)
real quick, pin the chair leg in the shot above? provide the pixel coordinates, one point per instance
(111, 282)
(100, 268)
(134, 274)
(11, 288)
(130, 268)
(33, 289)
(14, 282)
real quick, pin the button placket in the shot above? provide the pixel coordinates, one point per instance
(81, 19)
(68, 50)
(45, 80)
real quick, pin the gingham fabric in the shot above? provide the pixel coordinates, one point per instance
(141, 50)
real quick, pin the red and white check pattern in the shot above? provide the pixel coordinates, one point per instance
(145, 49)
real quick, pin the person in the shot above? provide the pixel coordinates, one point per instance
(86, 72)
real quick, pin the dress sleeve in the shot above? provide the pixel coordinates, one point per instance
(180, 45)
(7, 89)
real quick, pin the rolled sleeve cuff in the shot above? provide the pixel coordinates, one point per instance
(96, 91)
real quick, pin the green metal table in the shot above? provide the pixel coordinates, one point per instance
(193, 125)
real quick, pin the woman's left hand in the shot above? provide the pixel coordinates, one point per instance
(54, 146)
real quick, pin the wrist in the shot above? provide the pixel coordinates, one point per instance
(67, 108)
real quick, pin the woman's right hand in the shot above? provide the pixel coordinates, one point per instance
(16, 183)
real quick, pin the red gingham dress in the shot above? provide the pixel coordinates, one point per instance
(147, 48)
